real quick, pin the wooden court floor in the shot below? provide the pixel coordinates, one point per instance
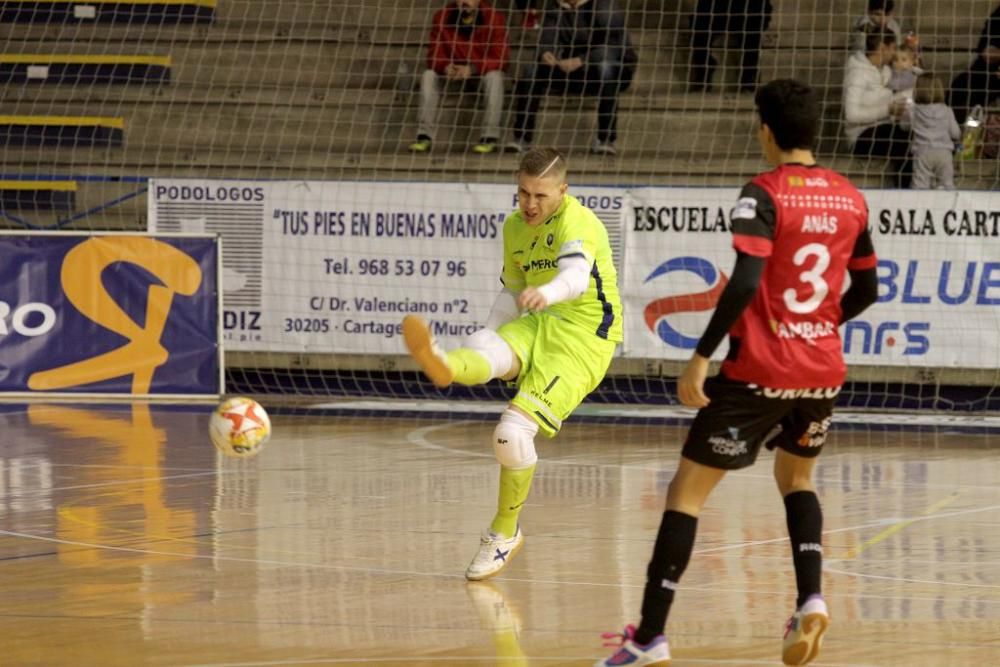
(126, 541)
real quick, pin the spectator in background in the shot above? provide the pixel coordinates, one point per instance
(879, 17)
(870, 107)
(468, 47)
(583, 48)
(935, 133)
(980, 84)
(739, 21)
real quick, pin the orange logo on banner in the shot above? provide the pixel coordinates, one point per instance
(81, 281)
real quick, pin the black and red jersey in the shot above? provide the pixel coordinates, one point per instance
(811, 225)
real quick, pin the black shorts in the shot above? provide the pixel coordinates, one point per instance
(728, 433)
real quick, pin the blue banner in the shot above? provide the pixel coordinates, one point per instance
(109, 314)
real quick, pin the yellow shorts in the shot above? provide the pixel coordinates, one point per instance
(561, 363)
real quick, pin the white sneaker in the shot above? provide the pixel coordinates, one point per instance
(424, 350)
(655, 653)
(804, 632)
(516, 146)
(603, 148)
(495, 551)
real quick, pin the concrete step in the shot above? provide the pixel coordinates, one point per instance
(457, 165)
(55, 100)
(361, 127)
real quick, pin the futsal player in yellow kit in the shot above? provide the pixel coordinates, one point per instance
(553, 330)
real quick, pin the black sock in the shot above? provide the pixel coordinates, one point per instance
(674, 544)
(805, 530)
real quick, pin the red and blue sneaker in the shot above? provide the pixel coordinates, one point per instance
(655, 653)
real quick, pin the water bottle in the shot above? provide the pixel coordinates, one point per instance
(972, 132)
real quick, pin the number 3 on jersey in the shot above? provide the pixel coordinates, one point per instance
(814, 277)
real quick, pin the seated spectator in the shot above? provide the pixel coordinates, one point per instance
(935, 133)
(870, 106)
(468, 48)
(980, 84)
(742, 23)
(905, 71)
(879, 17)
(583, 48)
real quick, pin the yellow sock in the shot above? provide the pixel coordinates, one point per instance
(469, 366)
(514, 487)
(509, 648)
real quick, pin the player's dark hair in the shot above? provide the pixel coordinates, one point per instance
(928, 90)
(876, 37)
(543, 162)
(791, 109)
(885, 5)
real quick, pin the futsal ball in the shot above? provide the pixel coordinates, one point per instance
(239, 427)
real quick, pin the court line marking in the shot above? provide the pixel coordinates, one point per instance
(898, 526)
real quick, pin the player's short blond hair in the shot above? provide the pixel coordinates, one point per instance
(539, 162)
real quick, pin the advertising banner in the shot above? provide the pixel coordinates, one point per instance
(939, 275)
(314, 266)
(115, 314)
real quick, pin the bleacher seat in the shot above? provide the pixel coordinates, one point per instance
(73, 131)
(83, 69)
(37, 195)
(108, 11)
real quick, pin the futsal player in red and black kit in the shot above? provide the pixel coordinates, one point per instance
(798, 230)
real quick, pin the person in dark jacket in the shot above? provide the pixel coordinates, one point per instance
(741, 22)
(980, 84)
(583, 48)
(468, 46)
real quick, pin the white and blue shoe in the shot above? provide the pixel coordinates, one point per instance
(804, 632)
(655, 653)
(495, 551)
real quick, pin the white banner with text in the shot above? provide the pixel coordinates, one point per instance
(325, 266)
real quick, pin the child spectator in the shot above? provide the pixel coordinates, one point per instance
(905, 70)
(935, 132)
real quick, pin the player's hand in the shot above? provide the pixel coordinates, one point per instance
(550, 59)
(531, 299)
(570, 65)
(462, 72)
(691, 384)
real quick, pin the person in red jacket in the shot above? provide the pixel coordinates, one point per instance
(468, 47)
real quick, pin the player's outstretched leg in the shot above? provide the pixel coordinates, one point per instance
(483, 356)
(424, 350)
(655, 653)
(804, 633)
